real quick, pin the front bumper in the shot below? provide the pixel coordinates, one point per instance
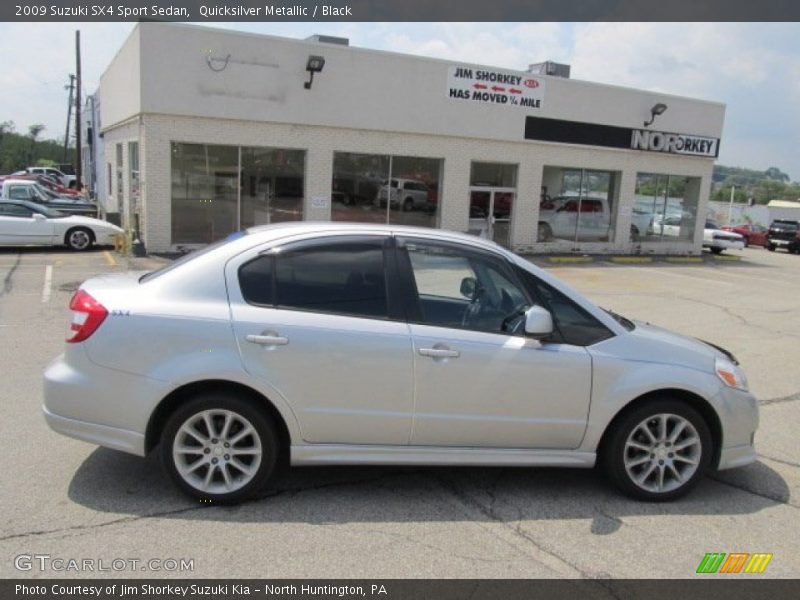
(725, 244)
(738, 413)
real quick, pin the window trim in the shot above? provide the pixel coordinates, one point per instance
(394, 309)
(412, 296)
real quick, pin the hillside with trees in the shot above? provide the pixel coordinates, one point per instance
(761, 186)
(20, 150)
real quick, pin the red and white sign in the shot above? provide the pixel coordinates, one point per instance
(493, 86)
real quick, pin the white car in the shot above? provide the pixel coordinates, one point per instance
(64, 179)
(717, 239)
(23, 223)
(342, 343)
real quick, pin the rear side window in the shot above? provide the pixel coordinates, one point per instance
(573, 325)
(342, 278)
(256, 281)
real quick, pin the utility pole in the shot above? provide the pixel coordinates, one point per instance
(70, 87)
(78, 148)
(730, 207)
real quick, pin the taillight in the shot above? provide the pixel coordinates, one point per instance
(88, 314)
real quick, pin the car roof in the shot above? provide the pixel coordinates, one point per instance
(311, 227)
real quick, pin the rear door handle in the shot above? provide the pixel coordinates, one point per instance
(267, 340)
(439, 352)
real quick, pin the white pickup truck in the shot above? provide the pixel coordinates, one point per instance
(559, 216)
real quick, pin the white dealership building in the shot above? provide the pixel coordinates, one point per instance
(208, 131)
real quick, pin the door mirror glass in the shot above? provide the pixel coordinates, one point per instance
(538, 322)
(469, 287)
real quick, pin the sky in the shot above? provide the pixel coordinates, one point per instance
(754, 68)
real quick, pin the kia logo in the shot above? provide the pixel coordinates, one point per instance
(531, 83)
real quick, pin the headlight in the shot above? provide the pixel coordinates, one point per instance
(730, 374)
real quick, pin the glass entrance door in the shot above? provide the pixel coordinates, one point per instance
(490, 213)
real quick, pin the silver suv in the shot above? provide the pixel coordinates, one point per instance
(324, 343)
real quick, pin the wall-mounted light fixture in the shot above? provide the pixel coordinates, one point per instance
(314, 65)
(658, 109)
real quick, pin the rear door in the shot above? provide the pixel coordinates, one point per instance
(316, 321)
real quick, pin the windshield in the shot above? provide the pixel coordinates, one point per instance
(50, 213)
(43, 193)
(711, 225)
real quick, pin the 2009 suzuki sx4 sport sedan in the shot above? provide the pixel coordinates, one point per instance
(324, 343)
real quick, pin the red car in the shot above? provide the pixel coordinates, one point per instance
(754, 235)
(47, 182)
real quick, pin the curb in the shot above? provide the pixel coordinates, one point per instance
(727, 257)
(683, 259)
(631, 259)
(570, 259)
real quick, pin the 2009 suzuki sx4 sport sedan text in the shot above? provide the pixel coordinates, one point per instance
(323, 343)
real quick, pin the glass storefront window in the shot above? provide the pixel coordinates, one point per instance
(665, 208)
(577, 205)
(376, 188)
(272, 186)
(217, 190)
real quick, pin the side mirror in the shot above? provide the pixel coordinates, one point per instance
(469, 287)
(538, 322)
(39, 217)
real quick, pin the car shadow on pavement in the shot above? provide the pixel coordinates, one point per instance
(113, 482)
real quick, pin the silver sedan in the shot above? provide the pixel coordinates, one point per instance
(324, 343)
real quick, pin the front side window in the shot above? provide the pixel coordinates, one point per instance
(573, 325)
(466, 290)
(345, 278)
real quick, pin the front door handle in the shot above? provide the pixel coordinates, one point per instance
(439, 352)
(267, 340)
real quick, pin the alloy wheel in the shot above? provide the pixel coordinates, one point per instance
(217, 451)
(662, 453)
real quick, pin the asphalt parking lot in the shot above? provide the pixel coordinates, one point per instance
(68, 499)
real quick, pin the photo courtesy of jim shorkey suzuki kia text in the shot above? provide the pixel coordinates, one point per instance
(195, 589)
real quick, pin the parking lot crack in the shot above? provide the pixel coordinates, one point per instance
(517, 529)
(8, 280)
(780, 400)
(778, 499)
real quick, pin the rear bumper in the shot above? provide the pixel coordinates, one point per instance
(102, 435)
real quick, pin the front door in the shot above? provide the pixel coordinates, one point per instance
(490, 213)
(315, 322)
(479, 382)
(18, 226)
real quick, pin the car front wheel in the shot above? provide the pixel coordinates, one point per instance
(79, 238)
(220, 448)
(659, 450)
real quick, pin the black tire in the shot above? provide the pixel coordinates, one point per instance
(746, 242)
(408, 205)
(244, 407)
(544, 233)
(79, 239)
(715, 250)
(634, 233)
(771, 247)
(614, 447)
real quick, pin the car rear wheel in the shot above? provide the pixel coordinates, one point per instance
(545, 234)
(716, 250)
(79, 238)
(659, 450)
(408, 204)
(771, 247)
(220, 448)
